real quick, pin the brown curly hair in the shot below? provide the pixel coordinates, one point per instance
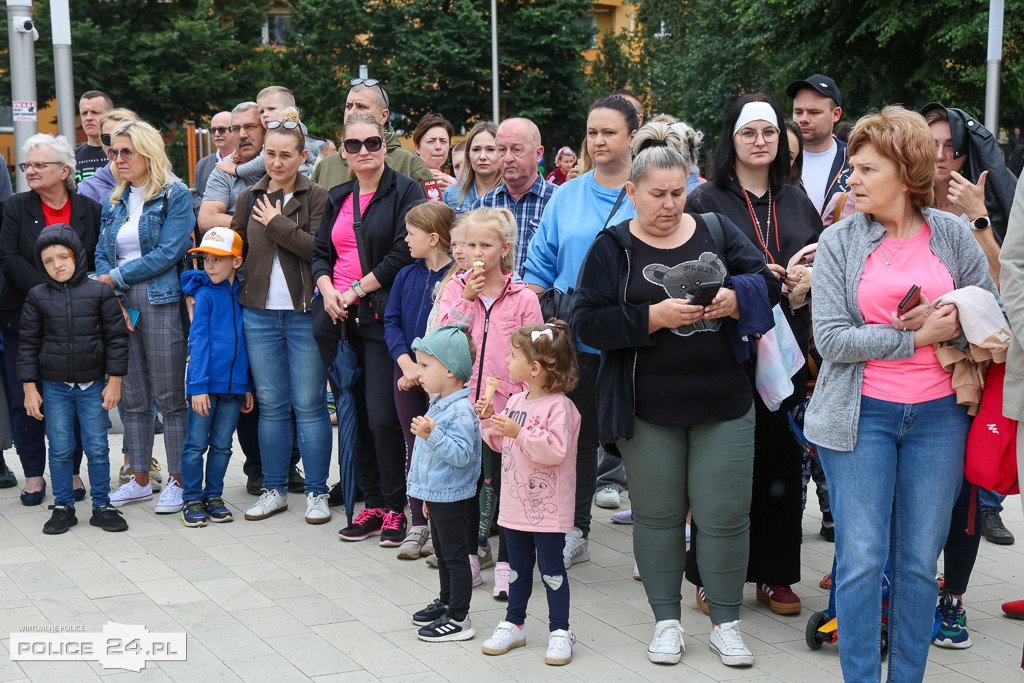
(556, 355)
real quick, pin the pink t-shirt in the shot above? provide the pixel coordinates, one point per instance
(909, 380)
(347, 268)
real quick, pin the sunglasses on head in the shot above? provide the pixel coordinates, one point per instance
(371, 83)
(287, 125)
(372, 144)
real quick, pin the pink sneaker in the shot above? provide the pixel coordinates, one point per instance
(502, 575)
(474, 568)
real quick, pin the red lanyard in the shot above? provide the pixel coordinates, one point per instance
(757, 224)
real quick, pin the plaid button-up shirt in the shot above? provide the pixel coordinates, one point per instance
(527, 211)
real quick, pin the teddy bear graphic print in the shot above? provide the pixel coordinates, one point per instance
(681, 281)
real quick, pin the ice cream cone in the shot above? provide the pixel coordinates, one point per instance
(492, 385)
(478, 266)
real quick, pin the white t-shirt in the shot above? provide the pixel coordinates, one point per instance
(487, 301)
(129, 248)
(279, 298)
(817, 166)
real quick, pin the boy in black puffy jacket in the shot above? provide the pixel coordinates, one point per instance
(73, 337)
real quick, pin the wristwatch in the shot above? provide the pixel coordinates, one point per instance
(358, 289)
(981, 223)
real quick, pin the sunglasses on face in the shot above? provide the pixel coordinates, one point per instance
(373, 144)
(371, 83)
(37, 165)
(287, 125)
(105, 139)
(219, 130)
(125, 154)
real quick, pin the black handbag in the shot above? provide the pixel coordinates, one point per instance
(378, 298)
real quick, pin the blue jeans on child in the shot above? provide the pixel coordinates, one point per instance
(288, 375)
(63, 405)
(525, 548)
(215, 430)
(894, 490)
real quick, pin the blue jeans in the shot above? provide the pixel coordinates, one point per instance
(216, 431)
(288, 376)
(990, 500)
(62, 405)
(893, 494)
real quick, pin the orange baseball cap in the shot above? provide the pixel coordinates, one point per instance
(220, 242)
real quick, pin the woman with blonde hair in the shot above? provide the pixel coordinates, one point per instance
(480, 171)
(145, 232)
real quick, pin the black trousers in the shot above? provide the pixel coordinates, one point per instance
(584, 397)
(248, 431)
(449, 532)
(961, 548)
(380, 446)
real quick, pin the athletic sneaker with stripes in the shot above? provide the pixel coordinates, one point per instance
(446, 629)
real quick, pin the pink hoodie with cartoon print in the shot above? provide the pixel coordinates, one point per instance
(538, 467)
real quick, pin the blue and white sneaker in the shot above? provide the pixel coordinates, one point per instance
(951, 620)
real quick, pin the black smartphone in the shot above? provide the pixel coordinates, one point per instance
(704, 293)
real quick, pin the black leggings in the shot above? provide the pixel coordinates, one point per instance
(961, 548)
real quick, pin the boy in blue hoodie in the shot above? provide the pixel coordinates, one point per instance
(218, 375)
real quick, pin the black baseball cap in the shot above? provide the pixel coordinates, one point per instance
(823, 84)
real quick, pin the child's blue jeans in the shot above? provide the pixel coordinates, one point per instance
(525, 548)
(214, 431)
(62, 405)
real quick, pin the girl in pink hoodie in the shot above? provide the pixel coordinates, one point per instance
(494, 306)
(537, 435)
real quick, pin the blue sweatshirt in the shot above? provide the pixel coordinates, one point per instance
(412, 297)
(218, 362)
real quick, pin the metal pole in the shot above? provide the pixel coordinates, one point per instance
(495, 93)
(22, 34)
(60, 23)
(993, 60)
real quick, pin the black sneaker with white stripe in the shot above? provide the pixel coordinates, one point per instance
(445, 629)
(427, 615)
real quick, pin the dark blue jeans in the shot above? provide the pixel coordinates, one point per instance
(525, 548)
(63, 407)
(214, 431)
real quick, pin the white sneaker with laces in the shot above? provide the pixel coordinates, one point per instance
(131, 493)
(608, 498)
(317, 510)
(170, 499)
(667, 645)
(728, 644)
(577, 549)
(506, 636)
(474, 570)
(559, 647)
(270, 503)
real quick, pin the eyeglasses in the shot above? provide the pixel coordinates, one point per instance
(219, 130)
(125, 154)
(287, 125)
(370, 83)
(37, 165)
(249, 128)
(371, 144)
(749, 137)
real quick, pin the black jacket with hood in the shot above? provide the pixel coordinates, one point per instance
(71, 331)
(983, 154)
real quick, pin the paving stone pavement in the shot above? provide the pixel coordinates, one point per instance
(281, 600)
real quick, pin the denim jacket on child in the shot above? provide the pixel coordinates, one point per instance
(445, 466)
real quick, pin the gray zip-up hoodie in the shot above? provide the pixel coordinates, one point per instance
(840, 333)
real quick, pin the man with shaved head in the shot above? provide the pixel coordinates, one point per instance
(525, 193)
(368, 95)
(220, 132)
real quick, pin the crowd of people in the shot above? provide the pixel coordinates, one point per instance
(519, 348)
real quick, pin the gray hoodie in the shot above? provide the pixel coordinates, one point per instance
(840, 333)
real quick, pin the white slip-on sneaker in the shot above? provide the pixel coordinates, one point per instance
(728, 644)
(506, 636)
(667, 645)
(317, 510)
(608, 498)
(577, 548)
(270, 503)
(170, 499)
(131, 493)
(559, 647)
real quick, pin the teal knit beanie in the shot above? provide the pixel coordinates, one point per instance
(449, 345)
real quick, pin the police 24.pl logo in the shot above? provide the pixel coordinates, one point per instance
(119, 646)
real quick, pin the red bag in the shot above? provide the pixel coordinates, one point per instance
(991, 461)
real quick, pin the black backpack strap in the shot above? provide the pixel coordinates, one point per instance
(615, 207)
(714, 224)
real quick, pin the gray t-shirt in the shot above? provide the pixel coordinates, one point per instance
(224, 187)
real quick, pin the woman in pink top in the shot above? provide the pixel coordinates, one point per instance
(354, 264)
(536, 434)
(884, 414)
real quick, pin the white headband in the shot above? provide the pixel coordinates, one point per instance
(755, 111)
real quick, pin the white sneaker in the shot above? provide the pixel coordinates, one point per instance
(667, 645)
(559, 647)
(317, 511)
(577, 549)
(636, 572)
(728, 644)
(506, 636)
(170, 499)
(608, 498)
(623, 517)
(270, 503)
(131, 493)
(474, 570)
(502, 578)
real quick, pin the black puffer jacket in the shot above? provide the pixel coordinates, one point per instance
(71, 331)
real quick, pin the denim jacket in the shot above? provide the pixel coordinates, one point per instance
(165, 233)
(445, 466)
